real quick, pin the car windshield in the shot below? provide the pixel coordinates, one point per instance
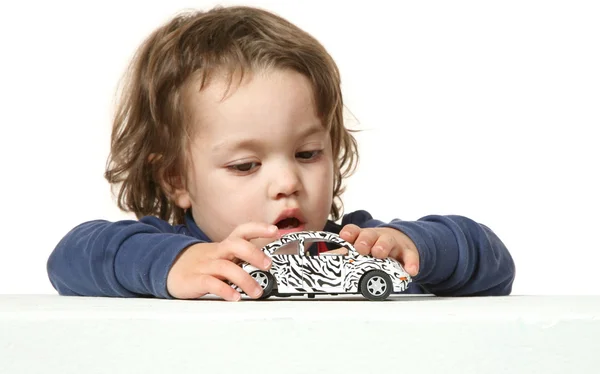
(290, 248)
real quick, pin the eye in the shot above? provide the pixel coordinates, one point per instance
(244, 168)
(309, 155)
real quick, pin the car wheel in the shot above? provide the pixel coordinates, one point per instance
(376, 285)
(266, 281)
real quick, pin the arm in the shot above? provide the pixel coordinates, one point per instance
(121, 259)
(459, 257)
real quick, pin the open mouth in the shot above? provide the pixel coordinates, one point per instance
(288, 223)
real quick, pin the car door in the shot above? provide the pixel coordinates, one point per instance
(322, 272)
(287, 267)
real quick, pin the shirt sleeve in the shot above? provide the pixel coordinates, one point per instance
(120, 259)
(458, 256)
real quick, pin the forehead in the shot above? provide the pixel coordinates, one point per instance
(263, 102)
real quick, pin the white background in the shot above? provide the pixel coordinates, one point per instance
(484, 109)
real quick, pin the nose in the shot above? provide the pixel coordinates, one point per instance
(285, 182)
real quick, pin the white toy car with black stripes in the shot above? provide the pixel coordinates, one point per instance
(319, 262)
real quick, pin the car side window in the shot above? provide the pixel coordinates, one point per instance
(290, 248)
(335, 250)
(321, 248)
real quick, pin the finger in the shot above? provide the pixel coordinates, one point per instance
(236, 248)
(235, 275)
(255, 230)
(207, 284)
(409, 258)
(349, 233)
(383, 246)
(365, 241)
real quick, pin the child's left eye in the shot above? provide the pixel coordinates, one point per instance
(308, 155)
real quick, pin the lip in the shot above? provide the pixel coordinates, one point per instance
(289, 231)
(288, 213)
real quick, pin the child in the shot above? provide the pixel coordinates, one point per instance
(230, 134)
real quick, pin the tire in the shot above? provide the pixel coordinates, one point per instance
(376, 285)
(266, 281)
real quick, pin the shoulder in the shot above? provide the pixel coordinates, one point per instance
(164, 226)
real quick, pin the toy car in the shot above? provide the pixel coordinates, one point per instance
(298, 268)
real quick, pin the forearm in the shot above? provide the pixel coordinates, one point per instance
(121, 259)
(458, 257)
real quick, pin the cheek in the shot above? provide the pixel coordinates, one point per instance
(233, 198)
(324, 182)
(329, 171)
(211, 193)
(220, 206)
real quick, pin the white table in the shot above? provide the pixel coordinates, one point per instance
(410, 334)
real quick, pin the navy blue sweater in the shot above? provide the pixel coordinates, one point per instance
(458, 257)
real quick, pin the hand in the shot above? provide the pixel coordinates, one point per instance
(382, 242)
(203, 268)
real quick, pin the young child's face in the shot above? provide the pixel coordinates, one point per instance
(261, 154)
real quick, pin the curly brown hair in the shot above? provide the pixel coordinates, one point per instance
(151, 130)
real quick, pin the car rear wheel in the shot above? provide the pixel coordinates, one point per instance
(376, 285)
(266, 281)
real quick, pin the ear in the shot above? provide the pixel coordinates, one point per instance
(173, 186)
(180, 195)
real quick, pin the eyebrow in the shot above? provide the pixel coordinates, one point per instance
(253, 143)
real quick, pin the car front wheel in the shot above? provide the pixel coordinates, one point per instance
(266, 281)
(376, 285)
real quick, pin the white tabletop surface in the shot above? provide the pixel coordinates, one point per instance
(529, 334)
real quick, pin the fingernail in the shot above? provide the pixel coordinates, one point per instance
(267, 263)
(258, 291)
(377, 249)
(273, 228)
(363, 243)
(237, 297)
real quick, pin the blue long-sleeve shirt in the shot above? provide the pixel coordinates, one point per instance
(458, 257)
